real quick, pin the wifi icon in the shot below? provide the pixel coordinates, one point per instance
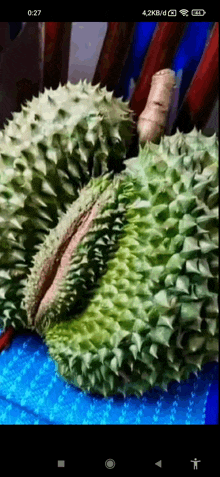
(184, 12)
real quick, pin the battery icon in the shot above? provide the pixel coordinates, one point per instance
(198, 13)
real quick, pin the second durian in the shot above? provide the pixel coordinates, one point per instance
(124, 289)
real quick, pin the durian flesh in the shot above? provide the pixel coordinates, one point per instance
(136, 306)
(48, 152)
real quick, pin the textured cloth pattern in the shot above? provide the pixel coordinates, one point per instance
(31, 392)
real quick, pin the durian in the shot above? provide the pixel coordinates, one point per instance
(48, 152)
(124, 289)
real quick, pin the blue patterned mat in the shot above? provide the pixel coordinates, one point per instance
(31, 392)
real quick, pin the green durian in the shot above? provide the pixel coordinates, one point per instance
(48, 152)
(124, 289)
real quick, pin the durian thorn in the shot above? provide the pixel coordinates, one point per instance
(124, 376)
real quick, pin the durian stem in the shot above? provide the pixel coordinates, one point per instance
(152, 120)
(6, 338)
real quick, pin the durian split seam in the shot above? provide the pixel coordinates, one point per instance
(58, 264)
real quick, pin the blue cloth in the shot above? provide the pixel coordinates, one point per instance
(132, 68)
(31, 392)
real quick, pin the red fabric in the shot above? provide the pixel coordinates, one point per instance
(56, 53)
(6, 338)
(204, 87)
(115, 49)
(51, 34)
